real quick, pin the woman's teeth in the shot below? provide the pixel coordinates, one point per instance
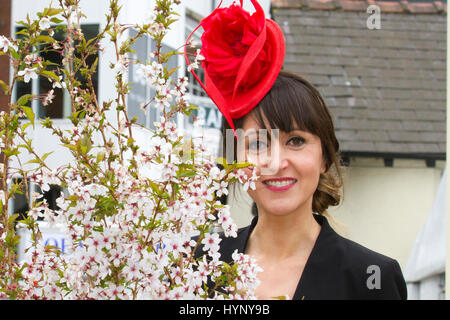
(279, 183)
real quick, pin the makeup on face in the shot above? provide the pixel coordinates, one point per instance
(279, 184)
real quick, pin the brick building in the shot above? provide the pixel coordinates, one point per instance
(5, 29)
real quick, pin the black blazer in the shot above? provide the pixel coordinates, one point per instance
(337, 268)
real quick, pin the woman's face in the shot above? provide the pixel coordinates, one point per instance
(289, 165)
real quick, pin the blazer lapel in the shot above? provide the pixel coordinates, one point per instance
(320, 276)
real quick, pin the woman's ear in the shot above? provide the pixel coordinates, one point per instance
(323, 167)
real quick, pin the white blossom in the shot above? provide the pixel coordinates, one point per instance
(28, 74)
(58, 84)
(48, 98)
(130, 219)
(44, 23)
(211, 242)
(5, 44)
(121, 66)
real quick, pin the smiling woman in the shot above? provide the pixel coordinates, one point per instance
(285, 130)
(289, 137)
(297, 112)
(299, 168)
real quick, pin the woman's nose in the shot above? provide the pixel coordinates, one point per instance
(274, 161)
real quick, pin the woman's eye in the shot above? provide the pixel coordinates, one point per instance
(296, 141)
(257, 145)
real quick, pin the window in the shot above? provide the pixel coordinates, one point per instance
(61, 107)
(140, 92)
(210, 133)
(19, 204)
(194, 87)
(207, 112)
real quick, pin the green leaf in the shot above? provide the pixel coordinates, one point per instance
(23, 100)
(84, 149)
(72, 198)
(33, 161)
(78, 115)
(46, 155)
(12, 218)
(45, 39)
(154, 186)
(24, 32)
(222, 162)
(23, 23)
(85, 144)
(4, 86)
(51, 74)
(26, 125)
(94, 65)
(29, 113)
(14, 53)
(56, 20)
(100, 156)
(52, 11)
(184, 173)
(244, 164)
(24, 145)
(171, 71)
(70, 146)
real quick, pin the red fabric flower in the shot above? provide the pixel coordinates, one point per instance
(228, 35)
(243, 56)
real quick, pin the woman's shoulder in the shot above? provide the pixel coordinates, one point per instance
(365, 272)
(382, 274)
(355, 252)
(349, 250)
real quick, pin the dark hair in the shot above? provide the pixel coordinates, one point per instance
(294, 103)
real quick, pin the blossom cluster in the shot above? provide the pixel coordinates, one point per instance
(144, 250)
(6, 43)
(139, 222)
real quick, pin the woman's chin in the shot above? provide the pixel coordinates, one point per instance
(279, 210)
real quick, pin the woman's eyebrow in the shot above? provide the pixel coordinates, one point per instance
(303, 131)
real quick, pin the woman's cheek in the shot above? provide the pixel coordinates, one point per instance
(252, 194)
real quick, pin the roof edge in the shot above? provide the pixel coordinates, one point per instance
(394, 155)
(403, 6)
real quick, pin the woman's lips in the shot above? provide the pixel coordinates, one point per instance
(279, 184)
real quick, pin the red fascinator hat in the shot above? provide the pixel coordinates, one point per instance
(243, 56)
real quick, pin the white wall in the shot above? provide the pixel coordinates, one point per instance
(205, 7)
(265, 4)
(383, 208)
(201, 7)
(133, 12)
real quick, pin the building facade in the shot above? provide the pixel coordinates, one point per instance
(132, 12)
